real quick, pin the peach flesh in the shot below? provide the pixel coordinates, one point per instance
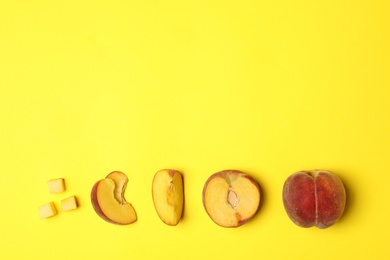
(96, 206)
(314, 198)
(108, 200)
(231, 198)
(168, 195)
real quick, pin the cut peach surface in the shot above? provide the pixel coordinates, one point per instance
(47, 210)
(108, 200)
(231, 198)
(168, 196)
(120, 181)
(69, 203)
(56, 185)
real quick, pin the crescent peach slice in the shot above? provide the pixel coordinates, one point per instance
(107, 198)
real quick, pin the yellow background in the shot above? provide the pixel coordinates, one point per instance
(266, 87)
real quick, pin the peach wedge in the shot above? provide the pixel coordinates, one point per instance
(168, 196)
(107, 197)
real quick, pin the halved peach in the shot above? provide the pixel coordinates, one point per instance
(231, 198)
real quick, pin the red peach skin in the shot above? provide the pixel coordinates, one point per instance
(314, 198)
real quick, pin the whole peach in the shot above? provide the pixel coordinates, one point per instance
(314, 198)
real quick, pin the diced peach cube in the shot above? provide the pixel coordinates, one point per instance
(47, 210)
(56, 185)
(69, 203)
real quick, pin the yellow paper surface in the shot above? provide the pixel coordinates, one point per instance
(265, 87)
